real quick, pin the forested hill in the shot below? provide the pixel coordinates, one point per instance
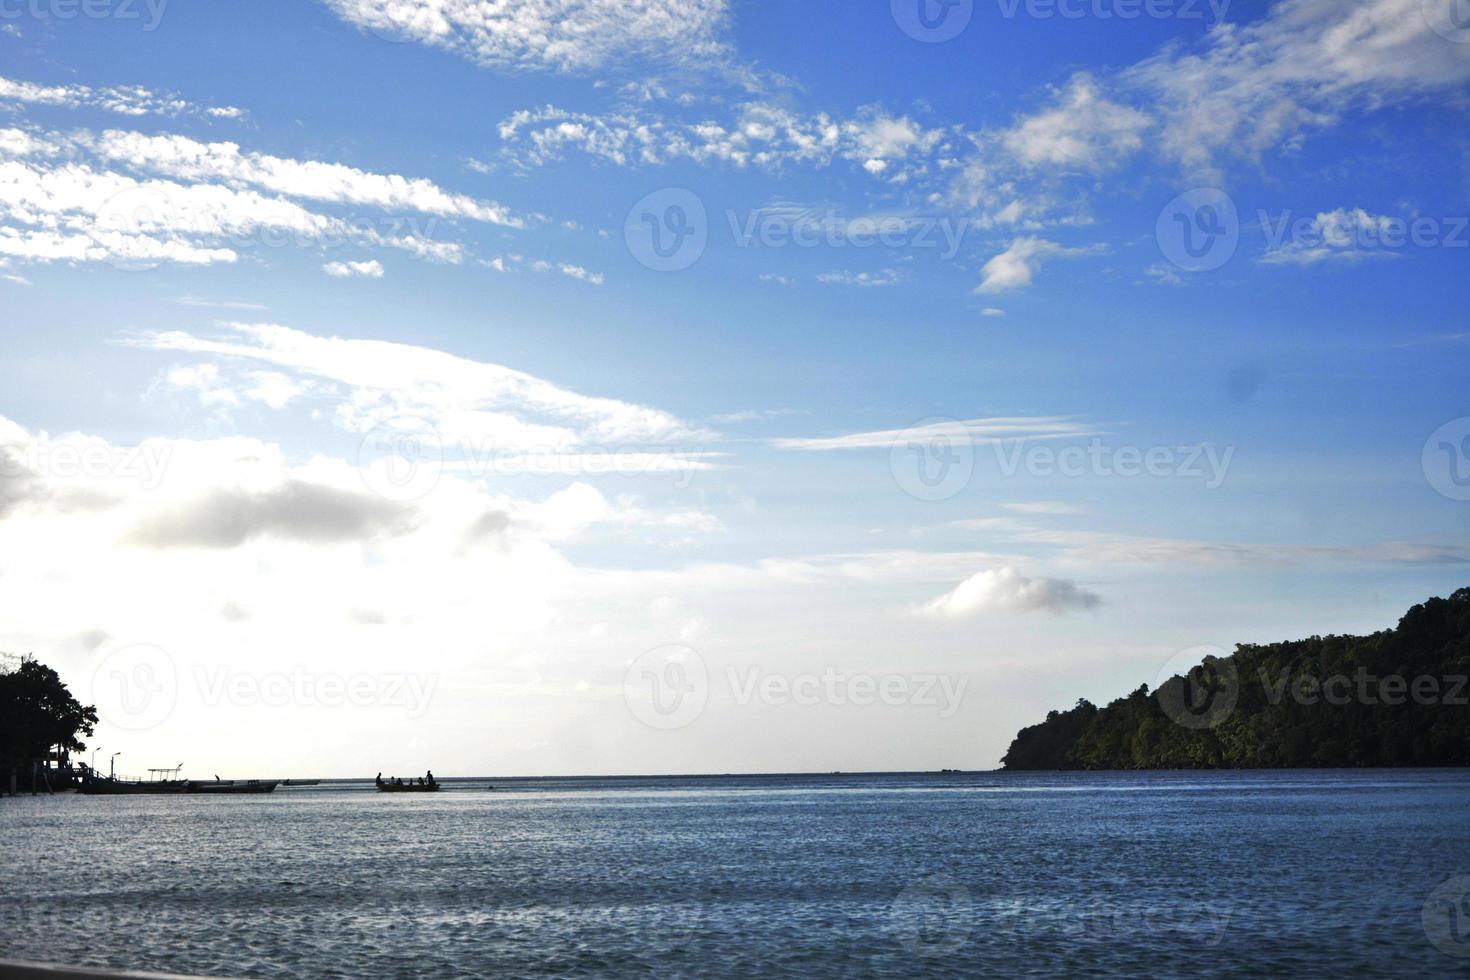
(1396, 698)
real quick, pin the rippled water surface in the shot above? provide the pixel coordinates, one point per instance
(1216, 874)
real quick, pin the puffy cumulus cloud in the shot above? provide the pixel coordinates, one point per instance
(562, 35)
(1016, 266)
(1084, 130)
(1006, 590)
(371, 269)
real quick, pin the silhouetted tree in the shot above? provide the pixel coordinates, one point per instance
(37, 713)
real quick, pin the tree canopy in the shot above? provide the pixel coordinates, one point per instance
(1397, 697)
(37, 711)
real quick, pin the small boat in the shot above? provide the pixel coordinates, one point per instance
(423, 784)
(408, 787)
(300, 782)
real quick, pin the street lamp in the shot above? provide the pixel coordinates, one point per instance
(112, 766)
(94, 757)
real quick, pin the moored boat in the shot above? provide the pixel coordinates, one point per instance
(232, 786)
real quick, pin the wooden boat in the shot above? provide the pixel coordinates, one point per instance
(232, 786)
(133, 787)
(386, 787)
(136, 787)
(300, 782)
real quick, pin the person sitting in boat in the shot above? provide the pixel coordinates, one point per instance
(379, 780)
(431, 777)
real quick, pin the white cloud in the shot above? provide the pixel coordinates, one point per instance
(1248, 88)
(1006, 590)
(183, 158)
(55, 207)
(371, 269)
(1016, 266)
(577, 272)
(466, 401)
(982, 430)
(1045, 507)
(127, 100)
(1084, 130)
(992, 311)
(565, 35)
(1343, 235)
(883, 277)
(756, 134)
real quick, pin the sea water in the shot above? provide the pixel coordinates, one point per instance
(1214, 874)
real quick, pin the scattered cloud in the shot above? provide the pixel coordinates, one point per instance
(371, 269)
(126, 100)
(980, 430)
(1006, 590)
(1085, 130)
(465, 401)
(883, 277)
(1016, 266)
(1345, 235)
(560, 35)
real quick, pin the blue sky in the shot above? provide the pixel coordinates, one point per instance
(256, 256)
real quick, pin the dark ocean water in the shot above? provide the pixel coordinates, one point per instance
(1201, 874)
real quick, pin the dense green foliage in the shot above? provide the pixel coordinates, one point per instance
(37, 714)
(1399, 697)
